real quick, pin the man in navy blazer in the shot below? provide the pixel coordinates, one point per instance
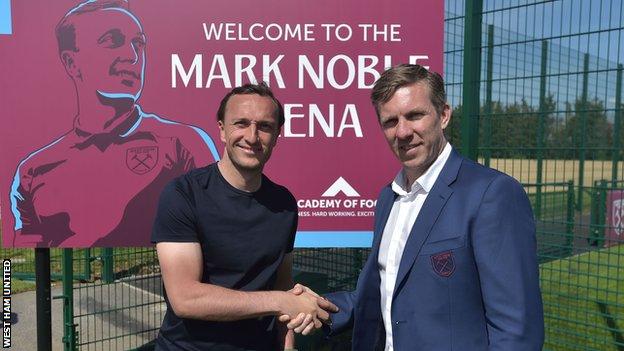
(453, 264)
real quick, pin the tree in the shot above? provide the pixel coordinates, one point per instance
(453, 130)
(588, 123)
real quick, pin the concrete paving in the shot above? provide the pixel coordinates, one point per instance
(117, 316)
(24, 329)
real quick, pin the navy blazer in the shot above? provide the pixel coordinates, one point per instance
(468, 278)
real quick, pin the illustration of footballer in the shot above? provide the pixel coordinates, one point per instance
(98, 184)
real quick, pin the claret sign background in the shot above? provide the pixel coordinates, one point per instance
(105, 102)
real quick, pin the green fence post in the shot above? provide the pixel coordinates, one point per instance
(471, 76)
(594, 210)
(42, 299)
(570, 218)
(602, 212)
(582, 133)
(487, 114)
(69, 331)
(617, 121)
(540, 129)
(108, 275)
(87, 264)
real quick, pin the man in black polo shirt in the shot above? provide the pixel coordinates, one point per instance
(224, 235)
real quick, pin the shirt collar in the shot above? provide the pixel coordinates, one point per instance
(123, 128)
(427, 179)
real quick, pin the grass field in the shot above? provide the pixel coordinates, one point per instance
(18, 286)
(584, 301)
(554, 203)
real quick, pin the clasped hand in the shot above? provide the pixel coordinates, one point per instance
(304, 310)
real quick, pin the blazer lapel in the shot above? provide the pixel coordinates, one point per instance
(371, 270)
(386, 200)
(428, 215)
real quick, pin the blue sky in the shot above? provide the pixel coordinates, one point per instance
(5, 16)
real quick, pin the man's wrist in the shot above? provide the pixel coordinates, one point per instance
(274, 302)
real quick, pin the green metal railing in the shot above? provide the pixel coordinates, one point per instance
(555, 222)
(121, 307)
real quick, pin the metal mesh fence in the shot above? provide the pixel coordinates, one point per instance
(122, 309)
(548, 113)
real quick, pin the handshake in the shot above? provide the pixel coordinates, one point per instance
(304, 310)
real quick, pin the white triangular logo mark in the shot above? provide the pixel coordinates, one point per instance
(340, 185)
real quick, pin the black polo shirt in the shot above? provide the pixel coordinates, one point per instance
(243, 237)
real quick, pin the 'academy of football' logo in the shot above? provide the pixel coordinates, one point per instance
(340, 185)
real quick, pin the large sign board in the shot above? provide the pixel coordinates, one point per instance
(615, 218)
(104, 103)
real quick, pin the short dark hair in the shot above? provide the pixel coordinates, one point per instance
(261, 89)
(66, 32)
(402, 75)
